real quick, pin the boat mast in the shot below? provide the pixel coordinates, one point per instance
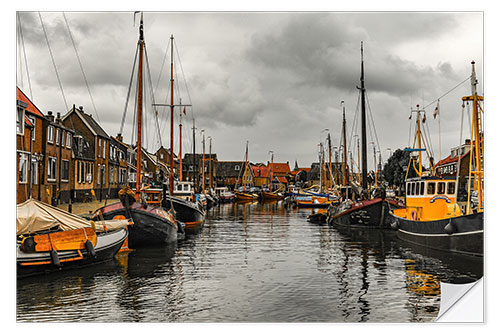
(359, 162)
(271, 172)
(180, 141)
(321, 167)
(344, 159)
(210, 162)
(203, 165)
(139, 110)
(245, 173)
(364, 164)
(195, 178)
(171, 182)
(330, 160)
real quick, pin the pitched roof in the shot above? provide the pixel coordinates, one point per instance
(280, 167)
(89, 121)
(450, 159)
(188, 158)
(281, 179)
(260, 171)
(31, 107)
(228, 168)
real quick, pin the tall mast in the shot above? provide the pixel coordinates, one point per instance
(344, 135)
(139, 110)
(271, 171)
(320, 167)
(203, 165)
(330, 160)
(364, 163)
(359, 162)
(180, 141)
(245, 173)
(171, 182)
(195, 177)
(210, 162)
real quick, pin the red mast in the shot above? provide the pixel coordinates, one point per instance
(139, 111)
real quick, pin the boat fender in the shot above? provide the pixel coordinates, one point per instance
(90, 248)
(414, 215)
(395, 225)
(55, 258)
(450, 228)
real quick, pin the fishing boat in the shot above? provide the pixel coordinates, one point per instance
(433, 217)
(366, 212)
(245, 195)
(50, 239)
(224, 194)
(152, 225)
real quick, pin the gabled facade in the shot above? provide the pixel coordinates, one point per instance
(192, 166)
(261, 175)
(231, 174)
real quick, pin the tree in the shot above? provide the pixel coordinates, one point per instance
(395, 168)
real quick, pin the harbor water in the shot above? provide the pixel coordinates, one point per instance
(254, 263)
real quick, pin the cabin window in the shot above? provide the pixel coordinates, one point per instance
(236, 167)
(50, 134)
(408, 188)
(186, 187)
(412, 191)
(441, 187)
(422, 187)
(431, 188)
(417, 188)
(179, 187)
(451, 188)
(51, 168)
(65, 170)
(23, 168)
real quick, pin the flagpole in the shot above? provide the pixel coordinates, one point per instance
(439, 131)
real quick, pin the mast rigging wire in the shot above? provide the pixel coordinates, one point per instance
(53, 60)
(129, 89)
(81, 66)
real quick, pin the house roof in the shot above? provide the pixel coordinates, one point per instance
(450, 159)
(280, 167)
(281, 179)
(260, 171)
(188, 158)
(89, 121)
(27, 122)
(295, 172)
(31, 107)
(228, 168)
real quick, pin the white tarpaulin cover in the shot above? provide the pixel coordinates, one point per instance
(34, 216)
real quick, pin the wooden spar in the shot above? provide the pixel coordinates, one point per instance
(359, 164)
(330, 160)
(139, 111)
(180, 142)
(344, 157)
(364, 163)
(195, 178)
(210, 163)
(171, 179)
(245, 173)
(203, 166)
(271, 172)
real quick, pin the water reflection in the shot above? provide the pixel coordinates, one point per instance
(254, 263)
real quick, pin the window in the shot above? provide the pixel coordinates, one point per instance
(90, 176)
(33, 121)
(431, 188)
(413, 185)
(422, 186)
(441, 188)
(51, 168)
(20, 120)
(65, 171)
(58, 133)
(408, 188)
(34, 171)
(179, 187)
(161, 155)
(50, 134)
(417, 188)
(23, 168)
(190, 168)
(78, 172)
(68, 140)
(186, 187)
(98, 174)
(103, 149)
(451, 188)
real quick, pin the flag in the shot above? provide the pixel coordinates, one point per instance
(436, 111)
(410, 116)
(184, 110)
(425, 118)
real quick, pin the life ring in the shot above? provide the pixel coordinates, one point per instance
(414, 215)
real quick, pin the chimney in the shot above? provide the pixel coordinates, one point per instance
(119, 137)
(80, 108)
(467, 141)
(50, 116)
(58, 118)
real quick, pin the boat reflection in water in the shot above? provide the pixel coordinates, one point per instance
(252, 263)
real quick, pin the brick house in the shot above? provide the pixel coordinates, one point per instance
(192, 167)
(231, 174)
(98, 147)
(261, 175)
(448, 167)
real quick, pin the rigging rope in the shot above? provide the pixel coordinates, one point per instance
(81, 66)
(53, 61)
(24, 52)
(449, 91)
(152, 95)
(129, 89)
(184, 77)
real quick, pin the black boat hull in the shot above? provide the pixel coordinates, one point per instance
(364, 214)
(189, 213)
(108, 244)
(462, 234)
(151, 224)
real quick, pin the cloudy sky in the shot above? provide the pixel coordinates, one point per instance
(274, 79)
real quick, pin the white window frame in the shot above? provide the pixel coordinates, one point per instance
(103, 149)
(50, 134)
(58, 133)
(237, 168)
(34, 171)
(23, 159)
(50, 160)
(20, 120)
(62, 171)
(68, 140)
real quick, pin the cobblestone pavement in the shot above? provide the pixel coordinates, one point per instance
(86, 207)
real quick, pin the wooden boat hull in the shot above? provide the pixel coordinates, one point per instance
(461, 234)
(152, 225)
(189, 213)
(240, 196)
(365, 214)
(36, 263)
(271, 196)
